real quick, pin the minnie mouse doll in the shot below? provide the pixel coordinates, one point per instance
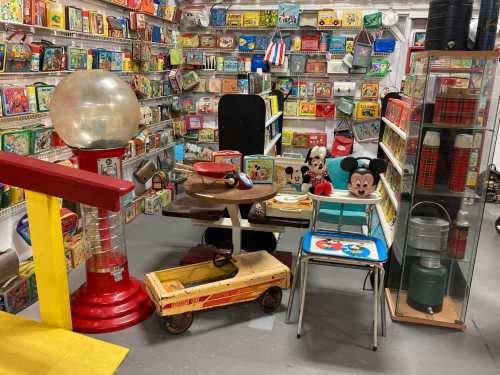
(316, 179)
(363, 179)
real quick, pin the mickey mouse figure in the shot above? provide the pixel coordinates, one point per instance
(316, 179)
(363, 179)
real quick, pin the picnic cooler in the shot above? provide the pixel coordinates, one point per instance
(456, 107)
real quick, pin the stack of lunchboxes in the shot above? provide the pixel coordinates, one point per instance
(26, 141)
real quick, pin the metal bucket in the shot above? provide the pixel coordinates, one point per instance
(428, 233)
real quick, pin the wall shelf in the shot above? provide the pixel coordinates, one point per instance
(304, 118)
(153, 99)
(133, 160)
(8, 120)
(300, 28)
(32, 29)
(12, 210)
(55, 154)
(112, 4)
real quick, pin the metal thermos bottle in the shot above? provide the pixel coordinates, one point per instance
(429, 157)
(458, 235)
(460, 162)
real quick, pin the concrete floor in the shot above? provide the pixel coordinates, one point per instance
(242, 340)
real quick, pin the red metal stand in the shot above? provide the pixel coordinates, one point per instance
(110, 300)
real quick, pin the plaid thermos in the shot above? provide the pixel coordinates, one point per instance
(458, 235)
(429, 156)
(487, 25)
(460, 162)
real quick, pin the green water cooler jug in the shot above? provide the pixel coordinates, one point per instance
(427, 285)
(428, 237)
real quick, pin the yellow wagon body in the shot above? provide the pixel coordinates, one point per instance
(203, 286)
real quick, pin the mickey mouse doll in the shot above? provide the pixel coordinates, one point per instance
(363, 179)
(316, 178)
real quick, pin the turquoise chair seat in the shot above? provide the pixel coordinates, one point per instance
(353, 214)
(328, 215)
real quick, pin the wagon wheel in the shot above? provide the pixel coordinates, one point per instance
(177, 324)
(270, 300)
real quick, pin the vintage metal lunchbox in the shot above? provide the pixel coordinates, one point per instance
(260, 168)
(16, 141)
(41, 139)
(289, 172)
(229, 156)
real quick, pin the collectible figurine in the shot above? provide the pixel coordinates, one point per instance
(316, 180)
(363, 179)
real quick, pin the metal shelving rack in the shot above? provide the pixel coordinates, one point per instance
(79, 39)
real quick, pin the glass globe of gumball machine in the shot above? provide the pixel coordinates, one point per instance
(96, 114)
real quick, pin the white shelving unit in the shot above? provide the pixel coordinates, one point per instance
(273, 118)
(395, 128)
(386, 228)
(390, 192)
(392, 158)
(271, 144)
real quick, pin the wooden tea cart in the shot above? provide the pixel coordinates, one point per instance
(178, 292)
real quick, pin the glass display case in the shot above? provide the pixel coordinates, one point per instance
(439, 146)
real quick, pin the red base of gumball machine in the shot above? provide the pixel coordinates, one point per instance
(124, 303)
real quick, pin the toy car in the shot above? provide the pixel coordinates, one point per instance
(329, 18)
(178, 292)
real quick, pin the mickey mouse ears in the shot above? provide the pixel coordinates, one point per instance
(376, 165)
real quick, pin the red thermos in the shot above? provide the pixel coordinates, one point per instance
(429, 156)
(458, 236)
(460, 162)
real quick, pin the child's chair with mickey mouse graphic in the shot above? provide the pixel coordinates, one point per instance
(341, 249)
(347, 214)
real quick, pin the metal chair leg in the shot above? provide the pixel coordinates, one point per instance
(382, 303)
(376, 298)
(305, 268)
(294, 281)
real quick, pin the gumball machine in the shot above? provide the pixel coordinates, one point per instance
(96, 113)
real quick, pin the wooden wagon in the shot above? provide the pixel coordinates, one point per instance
(178, 292)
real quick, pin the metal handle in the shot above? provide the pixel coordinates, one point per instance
(290, 209)
(435, 204)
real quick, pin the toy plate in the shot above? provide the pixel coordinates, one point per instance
(211, 169)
